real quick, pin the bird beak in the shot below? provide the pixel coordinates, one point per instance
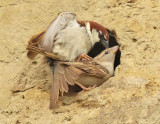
(115, 49)
(105, 43)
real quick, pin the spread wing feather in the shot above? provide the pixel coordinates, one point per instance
(59, 84)
(75, 71)
(64, 85)
(68, 72)
(88, 68)
(68, 77)
(62, 76)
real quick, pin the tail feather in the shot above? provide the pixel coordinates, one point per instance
(59, 84)
(62, 76)
(54, 93)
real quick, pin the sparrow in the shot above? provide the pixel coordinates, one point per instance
(86, 74)
(68, 38)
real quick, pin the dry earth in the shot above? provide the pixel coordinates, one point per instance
(131, 96)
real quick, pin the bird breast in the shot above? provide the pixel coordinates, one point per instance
(71, 42)
(90, 80)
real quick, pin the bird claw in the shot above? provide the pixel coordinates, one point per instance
(84, 57)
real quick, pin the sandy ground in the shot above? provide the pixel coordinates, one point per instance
(131, 96)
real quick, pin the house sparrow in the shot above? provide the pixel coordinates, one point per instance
(86, 74)
(67, 38)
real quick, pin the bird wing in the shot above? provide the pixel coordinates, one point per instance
(62, 76)
(35, 49)
(88, 68)
(35, 41)
(59, 84)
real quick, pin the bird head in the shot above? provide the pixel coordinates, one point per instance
(102, 31)
(106, 58)
(108, 54)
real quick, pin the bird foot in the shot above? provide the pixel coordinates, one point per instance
(84, 57)
(85, 88)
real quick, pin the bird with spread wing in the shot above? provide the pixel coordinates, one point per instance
(68, 38)
(86, 74)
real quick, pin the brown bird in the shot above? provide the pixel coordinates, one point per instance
(83, 73)
(68, 38)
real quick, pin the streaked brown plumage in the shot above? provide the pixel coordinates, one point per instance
(83, 73)
(64, 40)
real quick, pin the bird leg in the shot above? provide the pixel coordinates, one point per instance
(84, 88)
(83, 57)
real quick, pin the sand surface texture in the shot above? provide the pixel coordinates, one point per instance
(131, 96)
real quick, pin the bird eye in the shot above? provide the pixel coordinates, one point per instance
(106, 52)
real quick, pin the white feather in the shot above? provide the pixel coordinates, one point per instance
(71, 42)
(58, 24)
(93, 35)
(67, 39)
